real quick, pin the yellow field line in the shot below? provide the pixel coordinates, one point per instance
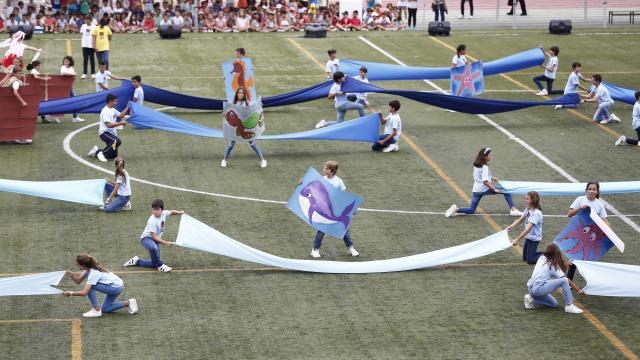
(76, 339)
(69, 49)
(615, 341)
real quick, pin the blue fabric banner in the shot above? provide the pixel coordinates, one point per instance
(91, 103)
(79, 191)
(467, 80)
(33, 284)
(239, 73)
(567, 189)
(619, 93)
(381, 71)
(365, 129)
(583, 238)
(322, 206)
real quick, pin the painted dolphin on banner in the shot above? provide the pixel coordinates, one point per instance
(315, 202)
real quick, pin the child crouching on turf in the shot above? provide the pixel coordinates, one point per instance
(635, 124)
(329, 170)
(532, 233)
(392, 129)
(119, 192)
(151, 237)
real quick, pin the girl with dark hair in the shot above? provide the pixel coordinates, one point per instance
(459, 59)
(549, 76)
(101, 280)
(548, 275)
(590, 199)
(119, 192)
(67, 70)
(483, 184)
(532, 233)
(240, 98)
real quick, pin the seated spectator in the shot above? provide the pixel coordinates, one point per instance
(343, 23)
(256, 25)
(243, 22)
(384, 23)
(355, 23)
(166, 21)
(12, 22)
(271, 25)
(138, 14)
(105, 9)
(38, 27)
(149, 24)
(201, 27)
(332, 20)
(117, 25)
(220, 23)
(73, 24)
(187, 22)
(49, 24)
(285, 25)
(134, 26)
(210, 23)
(178, 20)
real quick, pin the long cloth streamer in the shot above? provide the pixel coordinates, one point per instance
(567, 189)
(619, 93)
(91, 103)
(381, 71)
(364, 129)
(608, 279)
(34, 284)
(79, 191)
(197, 235)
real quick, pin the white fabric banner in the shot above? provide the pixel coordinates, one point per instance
(34, 284)
(197, 235)
(608, 279)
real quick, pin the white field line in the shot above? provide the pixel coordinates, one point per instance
(511, 136)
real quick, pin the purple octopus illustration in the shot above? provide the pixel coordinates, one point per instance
(590, 238)
(317, 207)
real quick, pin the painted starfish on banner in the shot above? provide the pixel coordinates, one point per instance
(466, 80)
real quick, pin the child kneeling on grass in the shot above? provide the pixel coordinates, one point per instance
(532, 233)
(392, 129)
(101, 280)
(151, 237)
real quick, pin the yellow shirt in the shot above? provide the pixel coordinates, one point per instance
(102, 38)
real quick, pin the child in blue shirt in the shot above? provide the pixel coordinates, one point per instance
(532, 233)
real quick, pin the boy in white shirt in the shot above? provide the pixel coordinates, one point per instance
(459, 59)
(573, 83)
(102, 78)
(138, 93)
(333, 65)
(88, 49)
(107, 130)
(361, 98)
(635, 124)
(392, 129)
(342, 104)
(151, 237)
(605, 102)
(549, 73)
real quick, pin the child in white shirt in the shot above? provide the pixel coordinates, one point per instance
(392, 129)
(549, 73)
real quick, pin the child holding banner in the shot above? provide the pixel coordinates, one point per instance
(573, 83)
(459, 59)
(342, 104)
(241, 99)
(107, 130)
(118, 192)
(549, 73)
(600, 94)
(532, 233)
(392, 129)
(329, 170)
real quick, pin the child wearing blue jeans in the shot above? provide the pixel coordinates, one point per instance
(151, 237)
(600, 94)
(392, 129)
(329, 170)
(119, 192)
(342, 103)
(532, 233)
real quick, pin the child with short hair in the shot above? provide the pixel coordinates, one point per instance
(88, 50)
(549, 73)
(333, 65)
(532, 233)
(341, 103)
(459, 59)
(329, 171)
(151, 237)
(361, 98)
(392, 129)
(600, 94)
(573, 83)
(355, 23)
(102, 77)
(138, 93)
(107, 130)
(635, 124)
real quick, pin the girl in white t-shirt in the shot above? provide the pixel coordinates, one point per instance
(67, 70)
(532, 233)
(549, 76)
(118, 192)
(34, 69)
(241, 99)
(483, 184)
(101, 280)
(459, 59)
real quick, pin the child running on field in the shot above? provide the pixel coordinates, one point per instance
(532, 233)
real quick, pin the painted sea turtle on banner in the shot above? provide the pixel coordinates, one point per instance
(242, 123)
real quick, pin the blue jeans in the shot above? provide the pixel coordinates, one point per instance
(603, 111)
(541, 293)
(530, 252)
(254, 146)
(478, 195)
(103, 57)
(111, 292)
(538, 80)
(118, 202)
(320, 235)
(154, 252)
(377, 147)
(342, 111)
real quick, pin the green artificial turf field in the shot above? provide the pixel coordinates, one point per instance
(214, 307)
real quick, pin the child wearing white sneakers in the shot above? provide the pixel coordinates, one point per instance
(549, 73)
(101, 280)
(108, 130)
(333, 65)
(635, 124)
(151, 237)
(392, 129)
(329, 170)
(600, 94)
(573, 83)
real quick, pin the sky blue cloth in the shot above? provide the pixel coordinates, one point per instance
(608, 279)
(196, 235)
(467, 80)
(567, 189)
(364, 129)
(583, 239)
(88, 192)
(618, 93)
(322, 206)
(34, 284)
(381, 71)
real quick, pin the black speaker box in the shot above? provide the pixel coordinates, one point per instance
(562, 27)
(169, 31)
(315, 31)
(26, 29)
(439, 28)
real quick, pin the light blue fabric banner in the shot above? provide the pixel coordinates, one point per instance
(364, 129)
(88, 192)
(567, 189)
(467, 80)
(34, 284)
(322, 206)
(618, 93)
(607, 279)
(196, 235)
(239, 73)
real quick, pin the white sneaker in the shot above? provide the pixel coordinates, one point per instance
(132, 262)
(101, 207)
(622, 140)
(223, 163)
(263, 163)
(133, 306)
(77, 119)
(614, 118)
(55, 120)
(101, 157)
(557, 107)
(92, 313)
(572, 309)
(451, 211)
(127, 206)
(461, 17)
(542, 92)
(93, 76)
(352, 251)
(93, 151)
(605, 121)
(164, 268)
(470, 17)
(322, 123)
(315, 253)
(84, 76)
(528, 302)
(515, 212)
(390, 148)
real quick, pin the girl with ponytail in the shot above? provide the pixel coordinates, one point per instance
(118, 193)
(101, 280)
